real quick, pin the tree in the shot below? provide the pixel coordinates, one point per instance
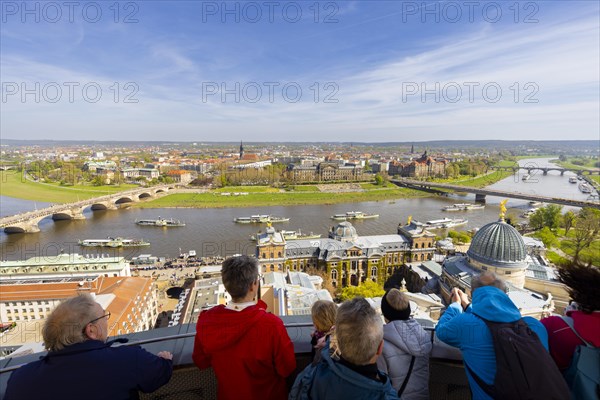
(459, 237)
(536, 220)
(379, 179)
(366, 289)
(549, 216)
(586, 230)
(568, 219)
(97, 181)
(547, 236)
(552, 215)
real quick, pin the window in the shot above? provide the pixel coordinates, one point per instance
(334, 274)
(373, 272)
(8, 311)
(10, 318)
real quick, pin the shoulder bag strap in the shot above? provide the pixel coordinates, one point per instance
(569, 321)
(412, 364)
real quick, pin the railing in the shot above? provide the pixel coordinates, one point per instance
(447, 376)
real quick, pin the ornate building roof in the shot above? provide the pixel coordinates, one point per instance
(344, 232)
(498, 244)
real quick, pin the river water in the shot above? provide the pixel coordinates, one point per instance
(212, 231)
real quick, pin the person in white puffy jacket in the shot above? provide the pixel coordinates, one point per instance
(406, 343)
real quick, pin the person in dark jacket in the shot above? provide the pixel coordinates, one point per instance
(247, 347)
(81, 365)
(354, 376)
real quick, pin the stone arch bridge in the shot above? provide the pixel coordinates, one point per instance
(28, 222)
(531, 168)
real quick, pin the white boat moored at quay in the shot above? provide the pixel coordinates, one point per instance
(445, 223)
(163, 222)
(353, 215)
(259, 219)
(113, 242)
(463, 207)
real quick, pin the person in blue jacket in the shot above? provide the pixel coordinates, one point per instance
(459, 327)
(81, 365)
(359, 332)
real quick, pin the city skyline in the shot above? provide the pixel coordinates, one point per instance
(352, 72)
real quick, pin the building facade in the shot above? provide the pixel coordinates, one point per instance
(345, 257)
(63, 266)
(132, 301)
(326, 172)
(423, 166)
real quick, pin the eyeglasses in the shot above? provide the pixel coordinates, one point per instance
(107, 315)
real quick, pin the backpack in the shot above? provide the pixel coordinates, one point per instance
(583, 375)
(524, 368)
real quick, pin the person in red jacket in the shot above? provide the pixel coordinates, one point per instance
(583, 283)
(247, 347)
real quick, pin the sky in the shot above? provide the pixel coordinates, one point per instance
(303, 71)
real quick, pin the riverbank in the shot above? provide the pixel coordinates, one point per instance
(14, 185)
(224, 198)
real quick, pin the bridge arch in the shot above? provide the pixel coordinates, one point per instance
(123, 200)
(14, 229)
(144, 195)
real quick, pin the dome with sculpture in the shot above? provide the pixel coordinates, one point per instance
(344, 232)
(498, 244)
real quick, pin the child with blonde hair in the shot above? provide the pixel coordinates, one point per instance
(323, 314)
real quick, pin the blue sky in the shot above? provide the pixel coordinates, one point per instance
(363, 71)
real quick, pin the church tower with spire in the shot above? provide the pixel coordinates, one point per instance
(241, 150)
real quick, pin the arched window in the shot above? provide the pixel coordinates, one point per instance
(279, 254)
(422, 257)
(373, 272)
(334, 274)
(272, 268)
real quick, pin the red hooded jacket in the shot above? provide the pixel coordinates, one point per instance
(249, 350)
(561, 339)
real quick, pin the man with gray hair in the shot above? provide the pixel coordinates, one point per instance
(247, 347)
(80, 364)
(463, 325)
(359, 332)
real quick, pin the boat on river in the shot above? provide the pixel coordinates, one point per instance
(292, 235)
(573, 179)
(529, 212)
(445, 223)
(585, 188)
(526, 177)
(353, 215)
(113, 242)
(463, 207)
(163, 222)
(259, 219)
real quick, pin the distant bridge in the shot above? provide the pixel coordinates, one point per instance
(530, 168)
(481, 193)
(28, 222)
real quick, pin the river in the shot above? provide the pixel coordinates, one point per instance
(212, 231)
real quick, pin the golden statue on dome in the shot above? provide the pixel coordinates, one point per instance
(503, 209)
(409, 220)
